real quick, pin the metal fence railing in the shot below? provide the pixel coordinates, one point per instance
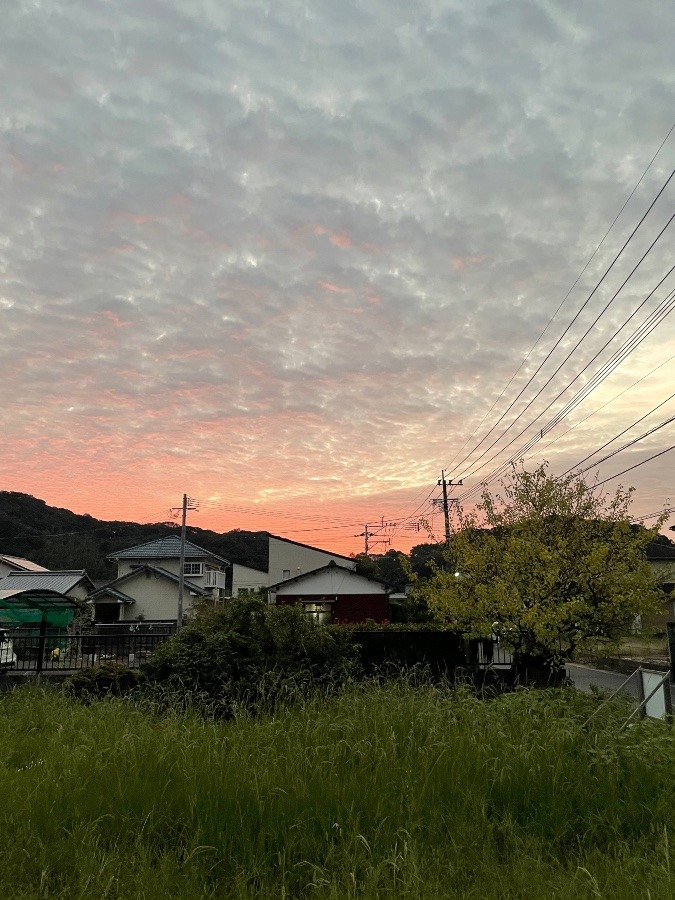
(488, 652)
(25, 649)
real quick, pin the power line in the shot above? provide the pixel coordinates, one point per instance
(628, 444)
(560, 306)
(636, 466)
(666, 306)
(617, 436)
(569, 326)
(572, 351)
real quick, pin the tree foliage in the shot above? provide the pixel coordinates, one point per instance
(250, 653)
(549, 565)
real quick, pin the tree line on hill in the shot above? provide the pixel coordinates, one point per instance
(60, 539)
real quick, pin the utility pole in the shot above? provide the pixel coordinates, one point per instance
(368, 534)
(445, 503)
(181, 573)
(365, 534)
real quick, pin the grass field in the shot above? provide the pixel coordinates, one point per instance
(395, 791)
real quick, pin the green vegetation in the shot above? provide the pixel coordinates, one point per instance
(551, 566)
(250, 655)
(396, 791)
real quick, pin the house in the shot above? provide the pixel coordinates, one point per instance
(246, 580)
(148, 581)
(334, 594)
(9, 564)
(288, 559)
(73, 583)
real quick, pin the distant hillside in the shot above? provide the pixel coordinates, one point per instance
(60, 539)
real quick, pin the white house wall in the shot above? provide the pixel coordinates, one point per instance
(156, 598)
(79, 592)
(663, 569)
(246, 579)
(124, 566)
(330, 583)
(285, 556)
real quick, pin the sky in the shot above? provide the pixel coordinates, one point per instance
(296, 259)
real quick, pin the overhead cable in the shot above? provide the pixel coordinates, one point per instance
(569, 326)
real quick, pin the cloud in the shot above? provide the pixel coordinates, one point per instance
(315, 241)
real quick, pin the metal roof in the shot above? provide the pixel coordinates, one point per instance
(62, 581)
(24, 564)
(167, 548)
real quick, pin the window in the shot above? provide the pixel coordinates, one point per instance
(321, 613)
(286, 574)
(193, 568)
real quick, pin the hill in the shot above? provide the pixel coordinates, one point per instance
(61, 539)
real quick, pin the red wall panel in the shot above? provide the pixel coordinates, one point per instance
(347, 608)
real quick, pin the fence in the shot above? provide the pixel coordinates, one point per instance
(26, 649)
(484, 653)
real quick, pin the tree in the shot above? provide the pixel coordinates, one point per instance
(426, 558)
(549, 565)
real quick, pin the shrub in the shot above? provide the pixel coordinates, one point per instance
(108, 679)
(251, 654)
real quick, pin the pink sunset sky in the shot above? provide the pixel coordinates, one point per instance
(295, 260)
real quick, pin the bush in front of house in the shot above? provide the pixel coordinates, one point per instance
(108, 679)
(251, 656)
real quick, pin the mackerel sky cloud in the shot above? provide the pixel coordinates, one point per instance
(286, 257)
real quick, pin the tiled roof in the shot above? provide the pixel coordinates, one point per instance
(118, 595)
(166, 548)
(62, 582)
(660, 551)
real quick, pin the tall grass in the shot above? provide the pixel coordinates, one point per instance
(388, 791)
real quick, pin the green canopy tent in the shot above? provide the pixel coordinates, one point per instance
(32, 606)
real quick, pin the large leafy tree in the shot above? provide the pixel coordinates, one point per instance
(549, 565)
